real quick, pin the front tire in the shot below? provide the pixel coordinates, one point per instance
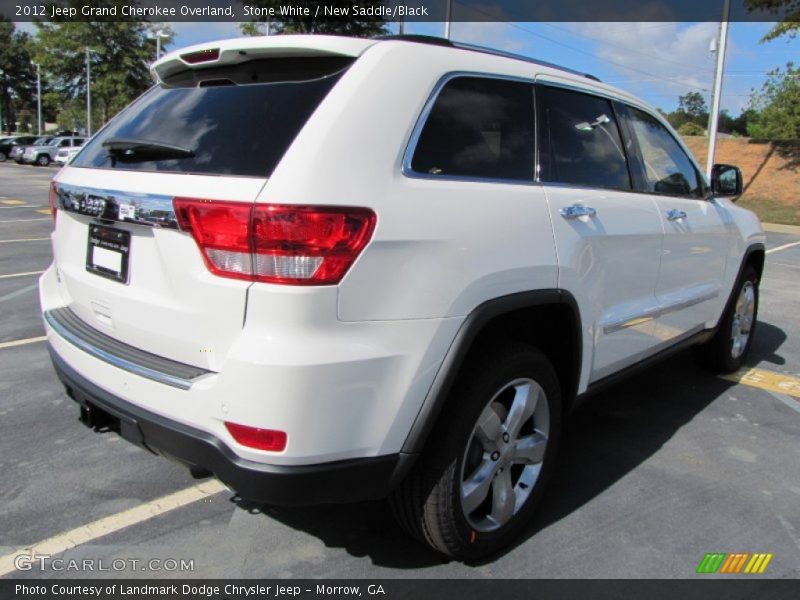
(43, 160)
(489, 457)
(727, 350)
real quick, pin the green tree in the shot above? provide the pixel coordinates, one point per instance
(18, 81)
(787, 10)
(350, 25)
(690, 128)
(121, 52)
(694, 105)
(777, 106)
(691, 109)
(737, 126)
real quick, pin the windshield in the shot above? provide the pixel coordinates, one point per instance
(42, 141)
(231, 120)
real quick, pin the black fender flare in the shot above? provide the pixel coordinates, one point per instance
(462, 343)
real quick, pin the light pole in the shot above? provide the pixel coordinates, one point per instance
(2, 89)
(158, 35)
(714, 117)
(448, 17)
(89, 52)
(38, 98)
(88, 93)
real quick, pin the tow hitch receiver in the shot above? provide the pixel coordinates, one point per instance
(97, 419)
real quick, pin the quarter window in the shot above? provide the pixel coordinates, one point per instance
(479, 128)
(667, 169)
(579, 140)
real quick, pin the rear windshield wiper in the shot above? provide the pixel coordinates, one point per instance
(133, 150)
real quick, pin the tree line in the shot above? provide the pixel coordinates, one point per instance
(772, 113)
(119, 53)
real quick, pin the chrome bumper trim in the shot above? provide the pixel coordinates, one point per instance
(163, 370)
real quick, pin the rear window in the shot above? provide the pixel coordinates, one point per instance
(233, 120)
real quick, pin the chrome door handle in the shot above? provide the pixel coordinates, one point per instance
(675, 215)
(576, 211)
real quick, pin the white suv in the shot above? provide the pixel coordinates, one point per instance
(332, 269)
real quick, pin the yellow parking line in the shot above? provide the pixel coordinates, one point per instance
(766, 380)
(24, 240)
(24, 342)
(12, 202)
(43, 211)
(12, 275)
(107, 525)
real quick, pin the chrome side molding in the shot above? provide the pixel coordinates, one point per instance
(705, 294)
(151, 210)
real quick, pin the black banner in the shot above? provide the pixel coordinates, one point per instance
(735, 588)
(396, 10)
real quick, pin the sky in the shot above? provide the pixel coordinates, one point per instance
(655, 61)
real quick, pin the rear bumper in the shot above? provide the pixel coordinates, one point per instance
(283, 485)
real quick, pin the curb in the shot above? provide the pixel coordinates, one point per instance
(779, 228)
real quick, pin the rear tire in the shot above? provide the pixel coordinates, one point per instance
(488, 459)
(727, 350)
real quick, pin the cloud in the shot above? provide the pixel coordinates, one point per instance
(672, 58)
(501, 36)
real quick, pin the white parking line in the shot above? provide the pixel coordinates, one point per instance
(24, 342)
(24, 240)
(107, 525)
(19, 292)
(784, 247)
(12, 275)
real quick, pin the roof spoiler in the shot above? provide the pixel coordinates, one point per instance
(240, 50)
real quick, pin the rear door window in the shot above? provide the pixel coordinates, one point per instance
(579, 140)
(232, 120)
(479, 128)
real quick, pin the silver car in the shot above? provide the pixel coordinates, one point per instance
(43, 155)
(64, 155)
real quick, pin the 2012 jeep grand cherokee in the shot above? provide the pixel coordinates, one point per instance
(329, 269)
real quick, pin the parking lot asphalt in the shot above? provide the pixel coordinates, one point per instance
(653, 473)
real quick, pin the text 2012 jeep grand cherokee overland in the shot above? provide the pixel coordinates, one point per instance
(328, 269)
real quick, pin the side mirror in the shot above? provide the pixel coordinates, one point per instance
(726, 180)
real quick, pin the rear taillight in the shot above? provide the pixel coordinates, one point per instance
(295, 245)
(53, 201)
(271, 440)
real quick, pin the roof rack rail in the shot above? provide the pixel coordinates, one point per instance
(439, 41)
(504, 54)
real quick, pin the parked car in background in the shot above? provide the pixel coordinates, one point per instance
(64, 155)
(18, 150)
(44, 154)
(8, 144)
